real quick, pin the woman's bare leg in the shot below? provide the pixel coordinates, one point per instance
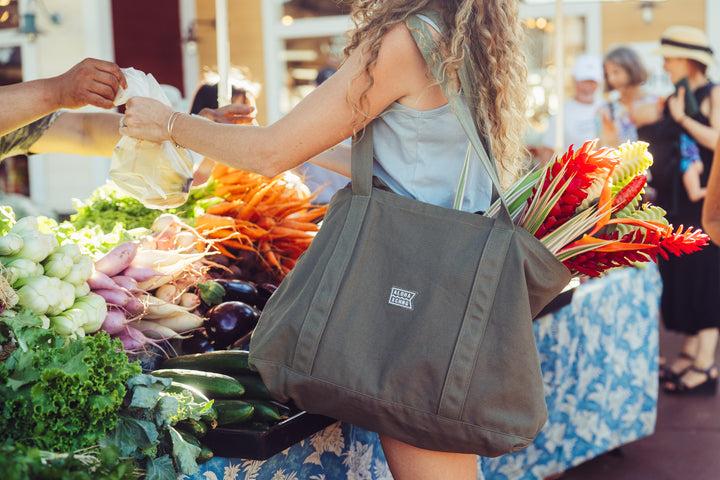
(411, 463)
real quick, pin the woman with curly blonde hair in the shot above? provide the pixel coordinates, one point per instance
(419, 144)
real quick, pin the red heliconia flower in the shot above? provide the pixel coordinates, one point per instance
(595, 262)
(582, 168)
(679, 242)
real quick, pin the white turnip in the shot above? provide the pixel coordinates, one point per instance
(141, 274)
(154, 330)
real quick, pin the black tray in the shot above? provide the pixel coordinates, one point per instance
(258, 445)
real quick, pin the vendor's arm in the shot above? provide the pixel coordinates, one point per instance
(705, 135)
(81, 133)
(711, 206)
(336, 159)
(321, 120)
(90, 82)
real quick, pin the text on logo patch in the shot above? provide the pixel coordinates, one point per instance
(401, 298)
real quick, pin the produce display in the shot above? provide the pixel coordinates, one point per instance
(182, 290)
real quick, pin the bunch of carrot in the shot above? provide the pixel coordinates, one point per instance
(270, 221)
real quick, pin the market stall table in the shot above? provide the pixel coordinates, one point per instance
(599, 360)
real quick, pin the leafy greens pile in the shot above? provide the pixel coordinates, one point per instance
(61, 394)
(20, 462)
(109, 206)
(75, 408)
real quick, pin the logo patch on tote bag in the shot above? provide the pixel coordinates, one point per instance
(401, 297)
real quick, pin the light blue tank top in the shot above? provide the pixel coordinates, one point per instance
(420, 154)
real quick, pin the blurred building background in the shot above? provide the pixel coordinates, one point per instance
(281, 44)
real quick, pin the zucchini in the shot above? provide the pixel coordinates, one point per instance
(229, 362)
(252, 426)
(205, 452)
(213, 385)
(210, 417)
(197, 395)
(192, 426)
(188, 437)
(254, 387)
(264, 411)
(233, 411)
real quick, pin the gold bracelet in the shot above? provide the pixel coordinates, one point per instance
(170, 125)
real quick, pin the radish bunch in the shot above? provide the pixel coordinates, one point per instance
(148, 284)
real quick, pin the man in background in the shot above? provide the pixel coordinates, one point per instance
(579, 112)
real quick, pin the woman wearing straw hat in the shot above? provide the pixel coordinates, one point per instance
(690, 302)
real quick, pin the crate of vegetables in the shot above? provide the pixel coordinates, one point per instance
(248, 422)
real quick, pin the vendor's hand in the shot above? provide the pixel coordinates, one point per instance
(90, 82)
(236, 113)
(676, 104)
(146, 119)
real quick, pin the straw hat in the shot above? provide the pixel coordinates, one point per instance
(686, 42)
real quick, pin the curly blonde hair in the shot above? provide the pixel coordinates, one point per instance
(491, 32)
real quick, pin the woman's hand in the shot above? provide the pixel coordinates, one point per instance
(146, 119)
(676, 105)
(646, 113)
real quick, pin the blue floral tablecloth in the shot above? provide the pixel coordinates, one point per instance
(599, 360)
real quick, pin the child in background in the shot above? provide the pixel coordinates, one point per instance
(691, 167)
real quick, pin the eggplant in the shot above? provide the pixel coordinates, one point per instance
(242, 343)
(238, 291)
(264, 291)
(229, 321)
(197, 342)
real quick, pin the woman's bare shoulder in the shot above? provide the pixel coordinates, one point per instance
(401, 57)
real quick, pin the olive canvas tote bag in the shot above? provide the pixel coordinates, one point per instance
(414, 320)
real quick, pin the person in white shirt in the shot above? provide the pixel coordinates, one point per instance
(579, 112)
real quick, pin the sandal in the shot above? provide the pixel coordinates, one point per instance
(666, 373)
(707, 387)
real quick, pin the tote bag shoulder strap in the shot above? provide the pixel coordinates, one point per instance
(420, 31)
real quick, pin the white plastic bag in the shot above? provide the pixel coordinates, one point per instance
(157, 174)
